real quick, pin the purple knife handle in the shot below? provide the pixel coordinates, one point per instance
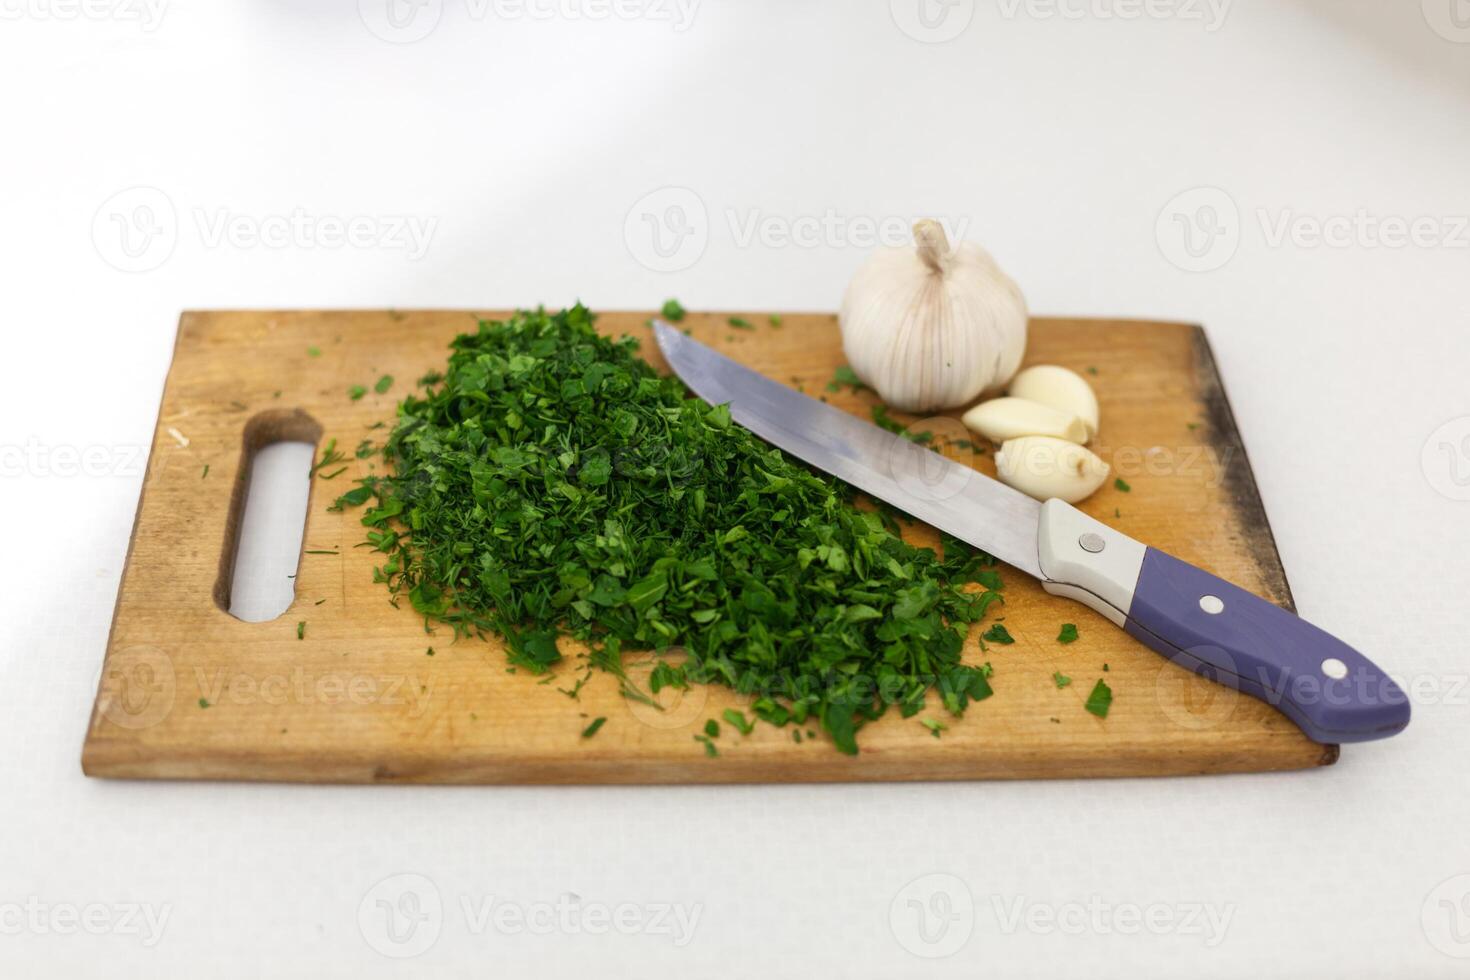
(1230, 636)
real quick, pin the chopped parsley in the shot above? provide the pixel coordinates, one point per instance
(999, 634)
(738, 721)
(1068, 634)
(592, 729)
(553, 487)
(1100, 700)
(846, 377)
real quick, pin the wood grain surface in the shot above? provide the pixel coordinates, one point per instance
(360, 701)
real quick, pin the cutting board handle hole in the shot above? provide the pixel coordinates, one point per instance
(267, 520)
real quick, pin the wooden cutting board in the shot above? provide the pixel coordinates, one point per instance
(358, 700)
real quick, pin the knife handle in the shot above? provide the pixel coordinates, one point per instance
(1220, 631)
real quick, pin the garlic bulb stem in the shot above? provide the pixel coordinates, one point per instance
(933, 244)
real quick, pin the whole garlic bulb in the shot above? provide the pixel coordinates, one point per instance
(931, 327)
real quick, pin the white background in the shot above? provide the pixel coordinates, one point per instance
(528, 141)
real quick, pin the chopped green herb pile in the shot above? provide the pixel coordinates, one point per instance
(552, 487)
(673, 311)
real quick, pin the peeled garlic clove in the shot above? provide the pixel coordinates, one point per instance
(1011, 418)
(1064, 390)
(1045, 467)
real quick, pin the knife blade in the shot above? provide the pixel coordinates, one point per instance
(1198, 621)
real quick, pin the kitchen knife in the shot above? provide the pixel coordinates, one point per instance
(1184, 613)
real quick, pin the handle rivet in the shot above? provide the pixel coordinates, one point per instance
(1334, 668)
(1212, 604)
(1093, 544)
